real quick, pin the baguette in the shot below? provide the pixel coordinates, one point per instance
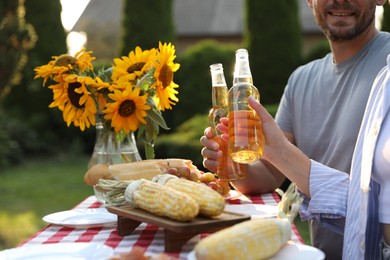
(146, 169)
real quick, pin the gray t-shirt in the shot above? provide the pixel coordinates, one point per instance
(323, 105)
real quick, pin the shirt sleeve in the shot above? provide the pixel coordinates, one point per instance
(284, 115)
(329, 194)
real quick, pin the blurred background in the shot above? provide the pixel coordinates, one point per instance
(42, 161)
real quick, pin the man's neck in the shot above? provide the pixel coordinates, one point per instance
(343, 50)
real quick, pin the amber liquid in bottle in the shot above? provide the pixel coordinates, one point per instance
(246, 139)
(226, 170)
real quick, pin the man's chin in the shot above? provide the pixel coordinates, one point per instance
(340, 34)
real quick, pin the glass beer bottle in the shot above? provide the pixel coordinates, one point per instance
(246, 137)
(226, 170)
(219, 100)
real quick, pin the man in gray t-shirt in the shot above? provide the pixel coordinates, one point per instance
(322, 106)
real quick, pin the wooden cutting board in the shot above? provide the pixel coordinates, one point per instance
(176, 233)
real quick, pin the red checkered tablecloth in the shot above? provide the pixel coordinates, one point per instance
(146, 235)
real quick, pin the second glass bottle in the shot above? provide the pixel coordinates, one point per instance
(246, 137)
(227, 170)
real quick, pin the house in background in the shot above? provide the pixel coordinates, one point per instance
(221, 20)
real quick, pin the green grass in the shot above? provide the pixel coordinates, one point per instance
(43, 186)
(35, 189)
(303, 228)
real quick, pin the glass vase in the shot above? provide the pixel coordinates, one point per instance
(112, 148)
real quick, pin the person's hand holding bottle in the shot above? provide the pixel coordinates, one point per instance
(280, 152)
(274, 137)
(211, 152)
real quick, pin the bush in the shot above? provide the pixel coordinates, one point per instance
(318, 51)
(18, 140)
(184, 142)
(194, 79)
(10, 151)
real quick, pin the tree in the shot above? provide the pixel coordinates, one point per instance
(274, 40)
(51, 42)
(16, 38)
(145, 23)
(386, 17)
(39, 128)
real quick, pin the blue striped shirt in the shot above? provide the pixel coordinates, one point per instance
(336, 198)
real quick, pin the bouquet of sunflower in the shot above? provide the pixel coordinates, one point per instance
(130, 96)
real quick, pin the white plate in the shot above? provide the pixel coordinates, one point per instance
(59, 251)
(293, 251)
(254, 210)
(290, 251)
(82, 218)
(233, 194)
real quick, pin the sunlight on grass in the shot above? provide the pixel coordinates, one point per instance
(35, 189)
(14, 227)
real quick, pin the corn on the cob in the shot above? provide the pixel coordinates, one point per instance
(210, 202)
(161, 200)
(253, 239)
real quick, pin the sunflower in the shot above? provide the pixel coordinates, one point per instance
(64, 63)
(164, 85)
(48, 70)
(127, 97)
(127, 110)
(72, 97)
(133, 66)
(83, 60)
(99, 89)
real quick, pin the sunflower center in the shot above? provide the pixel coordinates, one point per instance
(126, 108)
(74, 97)
(135, 67)
(166, 75)
(64, 60)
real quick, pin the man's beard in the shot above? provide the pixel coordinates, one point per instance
(339, 34)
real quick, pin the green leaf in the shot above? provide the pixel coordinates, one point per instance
(155, 115)
(150, 102)
(106, 75)
(141, 132)
(151, 130)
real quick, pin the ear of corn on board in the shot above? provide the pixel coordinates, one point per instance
(166, 195)
(176, 233)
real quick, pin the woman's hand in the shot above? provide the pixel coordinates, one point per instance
(210, 151)
(280, 152)
(275, 140)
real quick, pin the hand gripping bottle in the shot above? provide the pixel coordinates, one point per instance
(226, 170)
(246, 137)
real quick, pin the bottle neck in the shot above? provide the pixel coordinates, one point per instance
(242, 71)
(219, 95)
(243, 79)
(219, 88)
